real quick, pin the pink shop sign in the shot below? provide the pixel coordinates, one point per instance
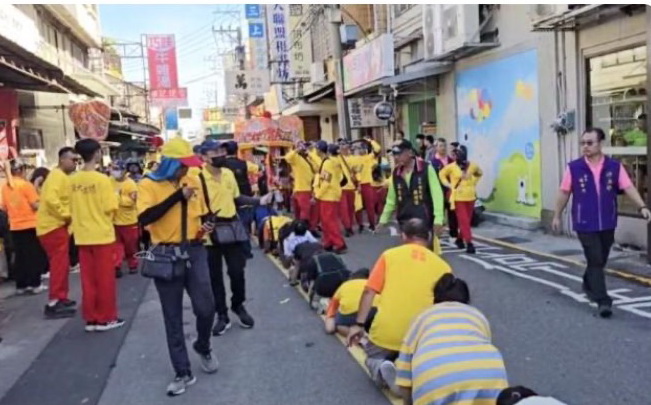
(369, 62)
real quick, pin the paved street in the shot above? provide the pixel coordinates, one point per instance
(550, 337)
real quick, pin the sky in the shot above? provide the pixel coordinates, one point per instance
(191, 24)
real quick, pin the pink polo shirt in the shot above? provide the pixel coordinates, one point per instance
(624, 180)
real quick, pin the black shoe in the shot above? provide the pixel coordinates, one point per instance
(454, 234)
(69, 302)
(118, 273)
(59, 311)
(246, 321)
(342, 250)
(328, 249)
(360, 229)
(605, 310)
(460, 244)
(316, 234)
(470, 248)
(372, 228)
(348, 233)
(223, 324)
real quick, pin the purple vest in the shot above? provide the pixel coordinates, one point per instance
(592, 212)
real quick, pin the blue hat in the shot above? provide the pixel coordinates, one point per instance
(120, 164)
(196, 149)
(322, 146)
(231, 147)
(208, 145)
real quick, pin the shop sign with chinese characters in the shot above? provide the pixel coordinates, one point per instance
(300, 49)
(251, 82)
(258, 49)
(277, 26)
(362, 114)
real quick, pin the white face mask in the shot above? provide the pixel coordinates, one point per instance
(117, 174)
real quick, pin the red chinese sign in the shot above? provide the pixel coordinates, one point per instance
(177, 97)
(161, 57)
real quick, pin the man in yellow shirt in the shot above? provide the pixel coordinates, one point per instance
(403, 276)
(52, 221)
(93, 204)
(461, 178)
(347, 204)
(303, 169)
(171, 205)
(126, 219)
(367, 161)
(328, 192)
(222, 197)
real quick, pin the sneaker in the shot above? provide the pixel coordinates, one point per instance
(605, 310)
(45, 276)
(348, 233)
(59, 311)
(342, 250)
(371, 228)
(388, 373)
(103, 327)
(21, 291)
(316, 234)
(470, 248)
(209, 363)
(459, 243)
(133, 271)
(360, 230)
(91, 327)
(246, 321)
(223, 324)
(118, 273)
(69, 303)
(75, 269)
(179, 384)
(37, 290)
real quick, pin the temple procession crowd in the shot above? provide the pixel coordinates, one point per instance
(191, 215)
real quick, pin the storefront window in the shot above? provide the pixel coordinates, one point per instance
(617, 103)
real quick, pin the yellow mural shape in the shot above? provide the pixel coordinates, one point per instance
(524, 90)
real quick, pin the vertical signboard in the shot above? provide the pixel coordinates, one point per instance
(171, 119)
(278, 42)
(257, 29)
(161, 57)
(300, 49)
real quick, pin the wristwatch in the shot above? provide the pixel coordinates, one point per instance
(360, 324)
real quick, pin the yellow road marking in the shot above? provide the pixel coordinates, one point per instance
(356, 352)
(646, 281)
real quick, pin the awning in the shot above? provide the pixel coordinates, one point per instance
(16, 75)
(419, 71)
(570, 20)
(320, 93)
(365, 89)
(466, 50)
(95, 83)
(303, 109)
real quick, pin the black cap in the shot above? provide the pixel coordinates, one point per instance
(321, 146)
(401, 146)
(333, 149)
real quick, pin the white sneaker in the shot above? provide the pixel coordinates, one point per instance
(74, 269)
(38, 290)
(45, 276)
(103, 327)
(388, 372)
(179, 384)
(90, 327)
(21, 291)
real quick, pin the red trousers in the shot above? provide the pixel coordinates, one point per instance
(127, 245)
(303, 208)
(368, 198)
(56, 244)
(464, 211)
(99, 300)
(331, 231)
(347, 208)
(380, 199)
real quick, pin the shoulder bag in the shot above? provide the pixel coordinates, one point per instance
(227, 230)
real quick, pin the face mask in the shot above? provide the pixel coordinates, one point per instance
(117, 174)
(218, 161)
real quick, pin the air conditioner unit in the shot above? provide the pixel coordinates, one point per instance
(317, 73)
(432, 39)
(539, 11)
(459, 25)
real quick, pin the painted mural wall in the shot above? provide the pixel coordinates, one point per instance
(498, 120)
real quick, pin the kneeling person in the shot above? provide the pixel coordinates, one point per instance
(343, 307)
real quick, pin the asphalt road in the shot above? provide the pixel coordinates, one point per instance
(550, 337)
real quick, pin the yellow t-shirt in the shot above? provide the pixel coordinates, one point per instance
(404, 276)
(302, 171)
(347, 163)
(366, 163)
(463, 190)
(54, 206)
(328, 185)
(167, 229)
(347, 298)
(274, 222)
(93, 203)
(127, 213)
(222, 193)
(194, 171)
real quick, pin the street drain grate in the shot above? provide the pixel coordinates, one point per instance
(514, 239)
(567, 252)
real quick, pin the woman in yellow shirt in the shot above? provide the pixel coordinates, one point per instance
(461, 177)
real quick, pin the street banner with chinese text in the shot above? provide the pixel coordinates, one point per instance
(300, 43)
(251, 82)
(169, 98)
(161, 59)
(257, 43)
(277, 26)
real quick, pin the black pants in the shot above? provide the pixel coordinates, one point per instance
(246, 216)
(31, 261)
(596, 247)
(195, 280)
(73, 252)
(453, 225)
(235, 257)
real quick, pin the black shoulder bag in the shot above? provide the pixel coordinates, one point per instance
(227, 230)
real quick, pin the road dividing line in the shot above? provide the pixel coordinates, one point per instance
(356, 352)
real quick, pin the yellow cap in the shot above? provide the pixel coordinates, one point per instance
(179, 148)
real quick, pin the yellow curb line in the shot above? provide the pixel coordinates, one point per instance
(356, 352)
(646, 281)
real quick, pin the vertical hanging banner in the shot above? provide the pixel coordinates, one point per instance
(278, 41)
(161, 57)
(300, 49)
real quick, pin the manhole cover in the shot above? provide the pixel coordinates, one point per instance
(567, 252)
(514, 239)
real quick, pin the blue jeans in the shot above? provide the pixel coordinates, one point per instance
(196, 280)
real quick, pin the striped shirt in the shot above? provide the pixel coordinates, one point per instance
(447, 358)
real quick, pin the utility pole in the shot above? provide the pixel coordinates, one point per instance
(235, 37)
(335, 20)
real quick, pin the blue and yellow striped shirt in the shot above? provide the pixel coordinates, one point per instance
(447, 358)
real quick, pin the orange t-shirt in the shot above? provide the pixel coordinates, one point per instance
(18, 201)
